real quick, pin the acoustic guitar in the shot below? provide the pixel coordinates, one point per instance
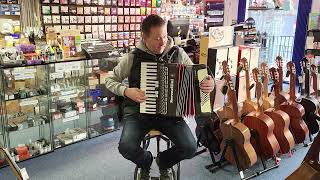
(309, 103)
(268, 102)
(238, 132)
(310, 166)
(280, 118)
(248, 104)
(283, 97)
(263, 124)
(15, 168)
(314, 75)
(295, 111)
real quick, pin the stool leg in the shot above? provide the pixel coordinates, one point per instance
(158, 145)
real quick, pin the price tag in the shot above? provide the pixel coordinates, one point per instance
(23, 76)
(68, 97)
(28, 102)
(71, 118)
(56, 75)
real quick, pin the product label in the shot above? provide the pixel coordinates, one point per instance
(71, 118)
(28, 102)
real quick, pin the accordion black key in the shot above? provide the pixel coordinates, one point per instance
(174, 89)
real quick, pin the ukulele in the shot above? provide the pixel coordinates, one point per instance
(238, 132)
(283, 96)
(280, 118)
(267, 101)
(263, 124)
(15, 168)
(295, 111)
(314, 76)
(309, 103)
(248, 104)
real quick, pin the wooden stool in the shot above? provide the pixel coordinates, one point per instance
(145, 144)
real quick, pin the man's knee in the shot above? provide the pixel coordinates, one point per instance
(128, 150)
(188, 150)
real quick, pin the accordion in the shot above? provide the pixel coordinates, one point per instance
(174, 89)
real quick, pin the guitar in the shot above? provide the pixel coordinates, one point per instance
(283, 96)
(309, 103)
(310, 167)
(314, 75)
(248, 104)
(267, 101)
(15, 168)
(238, 132)
(263, 124)
(295, 111)
(280, 118)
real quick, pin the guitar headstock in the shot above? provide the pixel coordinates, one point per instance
(264, 68)
(291, 67)
(225, 67)
(228, 80)
(313, 69)
(279, 62)
(274, 74)
(255, 74)
(245, 64)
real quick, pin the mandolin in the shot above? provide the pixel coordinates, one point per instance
(283, 97)
(314, 76)
(263, 124)
(280, 118)
(309, 103)
(248, 104)
(238, 132)
(267, 101)
(295, 111)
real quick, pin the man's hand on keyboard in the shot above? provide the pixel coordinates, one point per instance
(135, 94)
(207, 85)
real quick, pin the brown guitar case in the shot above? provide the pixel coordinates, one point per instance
(310, 167)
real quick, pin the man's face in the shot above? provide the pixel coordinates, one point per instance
(157, 39)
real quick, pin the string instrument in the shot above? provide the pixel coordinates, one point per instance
(15, 168)
(267, 101)
(262, 123)
(314, 75)
(248, 104)
(295, 111)
(310, 166)
(238, 132)
(309, 103)
(226, 112)
(280, 118)
(283, 97)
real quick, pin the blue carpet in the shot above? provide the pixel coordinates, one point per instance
(98, 159)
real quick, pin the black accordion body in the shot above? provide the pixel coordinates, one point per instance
(174, 89)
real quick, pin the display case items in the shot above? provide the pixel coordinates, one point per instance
(67, 107)
(103, 108)
(64, 1)
(25, 103)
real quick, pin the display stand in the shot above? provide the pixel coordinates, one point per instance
(222, 162)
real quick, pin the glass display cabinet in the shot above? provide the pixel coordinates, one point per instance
(24, 111)
(67, 102)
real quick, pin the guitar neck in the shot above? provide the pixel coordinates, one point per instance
(265, 86)
(12, 163)
(315, 84)
(280, 79)
(277, 94)
(307, 83)
(292, 87)
(248, 86)
(259, 94)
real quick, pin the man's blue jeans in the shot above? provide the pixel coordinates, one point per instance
(136, 126)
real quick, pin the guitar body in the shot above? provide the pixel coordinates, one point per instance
(241, 136)
(248, 107)
(281, 129)
(310, 105)
(264, 125)
(267, 103)
(297, 125)
(226, 112)
(283, 97)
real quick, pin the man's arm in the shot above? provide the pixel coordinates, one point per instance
(120, 72)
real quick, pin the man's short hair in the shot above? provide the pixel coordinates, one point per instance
(150, 22)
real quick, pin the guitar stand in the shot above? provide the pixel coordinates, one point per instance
(311, 141)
